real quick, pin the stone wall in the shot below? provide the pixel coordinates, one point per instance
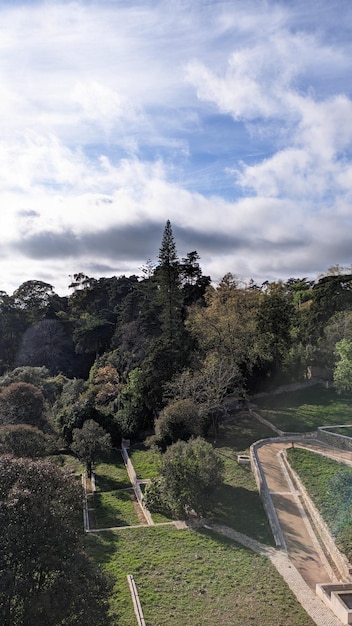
(336, 440)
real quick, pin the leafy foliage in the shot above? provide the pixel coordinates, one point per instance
(21, 403)
(46, 578)
(90, 443)
(190, 474)
(180, 419)
(343, 368)
(25, 441)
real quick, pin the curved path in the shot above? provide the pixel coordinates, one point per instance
(302, 547)
(300, 541)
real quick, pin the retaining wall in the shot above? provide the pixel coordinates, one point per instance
(135, 483)
(336, 440)
(264, 492)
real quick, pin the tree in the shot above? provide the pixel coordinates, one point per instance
(180, 419)
(167, 275)
(46, 578)
(25, 441)
(194, 283)
(330, 294)
(343, 368)
(21, 403)
(191, 473)
(105, 384)
(208, 386)
(47, 344)
(36, 376)
(275, 317)
(132, 413)
(90, 443)
(12, 325)
(34, 298)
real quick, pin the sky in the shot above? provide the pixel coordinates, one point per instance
(230, 118)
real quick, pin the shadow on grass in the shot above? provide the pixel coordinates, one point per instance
(239, 431)
(107, 483)
(242, 510)
(101, 547)
(115, 508)
(306, 409)
(221, 540)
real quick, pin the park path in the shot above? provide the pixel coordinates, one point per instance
(300, 541)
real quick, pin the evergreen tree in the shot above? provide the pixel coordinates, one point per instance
(168, 278)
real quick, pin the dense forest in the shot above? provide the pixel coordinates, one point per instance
(119, 350)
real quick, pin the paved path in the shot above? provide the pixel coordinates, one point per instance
(301, 544)
(304, 565)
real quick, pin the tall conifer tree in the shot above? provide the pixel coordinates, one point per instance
(168, 277)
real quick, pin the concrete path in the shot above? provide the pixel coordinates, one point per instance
(304, 564)
(301, 544)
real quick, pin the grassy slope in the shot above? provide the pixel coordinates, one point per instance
(305, 410)
(318, 475)
(194, 578)
(238, 503)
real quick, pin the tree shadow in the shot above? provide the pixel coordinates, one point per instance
(242, 510)
(101, 546)
(107, 483)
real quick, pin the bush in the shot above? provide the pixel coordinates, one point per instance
(191, 473)
(181, 419)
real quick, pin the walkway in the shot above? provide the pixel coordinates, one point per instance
(301, 543)
(304, 565)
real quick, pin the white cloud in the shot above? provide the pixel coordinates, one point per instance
(111, 118)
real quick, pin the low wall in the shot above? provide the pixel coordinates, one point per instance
(282, 433)
(264, 492)
(136, 486)
(336, 440)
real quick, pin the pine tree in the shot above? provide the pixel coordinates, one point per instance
(168, 278)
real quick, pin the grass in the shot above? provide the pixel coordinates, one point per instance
(116, 508)
(195, 578)
(111, 474)
(146, 462)
(329, 484)
(114, 499)
(238, 503)
(346, 431)
(306, 409)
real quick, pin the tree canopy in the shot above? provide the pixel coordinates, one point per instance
(46, 578)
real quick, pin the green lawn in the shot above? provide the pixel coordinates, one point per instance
(116, 508)
(306, 409)
(111, 474)
(238, 503)
(146, 462)
(195, 578)
(329, 484)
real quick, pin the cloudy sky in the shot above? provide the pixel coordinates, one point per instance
(231, 118)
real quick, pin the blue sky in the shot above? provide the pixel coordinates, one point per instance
(231, 118)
